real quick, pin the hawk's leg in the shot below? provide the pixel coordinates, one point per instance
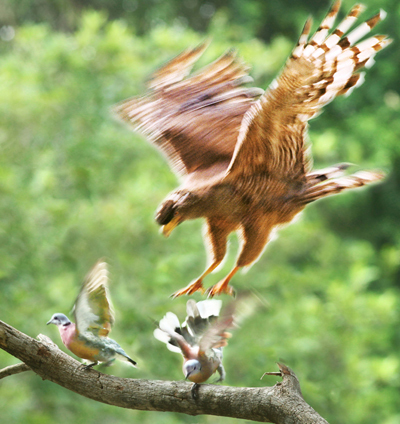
(196, 285)
(223, 285)
(254, 236)
(216, 236)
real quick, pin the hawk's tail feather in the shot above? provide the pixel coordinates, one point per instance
(337, 185)
(327, 173)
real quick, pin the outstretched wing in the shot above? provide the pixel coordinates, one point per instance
(93, 309)
(169, 331)
(199, 320)
(194, 121)
(216, 335)
(200, 317)
(272, 137)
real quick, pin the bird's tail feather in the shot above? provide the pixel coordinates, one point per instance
(320, 175)
(131, 361)
(126, 358)
(324, 186)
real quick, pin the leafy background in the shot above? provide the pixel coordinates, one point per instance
(77, 185)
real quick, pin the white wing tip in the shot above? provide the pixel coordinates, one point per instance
(382, 14)
(161, 335)
(209, 307)
(169, 322)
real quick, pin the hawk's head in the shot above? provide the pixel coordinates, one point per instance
(176, 208)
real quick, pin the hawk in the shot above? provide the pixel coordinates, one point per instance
(241, 153)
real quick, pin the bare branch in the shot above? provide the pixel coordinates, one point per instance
(13, 369)
(280, 404)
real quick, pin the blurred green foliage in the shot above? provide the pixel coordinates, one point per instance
(76, 185)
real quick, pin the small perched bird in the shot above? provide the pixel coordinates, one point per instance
(200, 339)
(241, 153)
(94, 316)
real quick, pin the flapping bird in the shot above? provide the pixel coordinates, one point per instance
(88, 337)
(242, 153)
(199, 339)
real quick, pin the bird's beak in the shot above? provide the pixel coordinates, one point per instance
(50, 322)
(187, 375)
(167, 228)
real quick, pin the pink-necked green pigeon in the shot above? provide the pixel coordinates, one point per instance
(88, 337)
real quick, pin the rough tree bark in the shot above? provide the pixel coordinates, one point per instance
(280, 404)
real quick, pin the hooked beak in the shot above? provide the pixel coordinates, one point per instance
(167, 228)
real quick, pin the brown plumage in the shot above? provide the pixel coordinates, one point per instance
(244, 162)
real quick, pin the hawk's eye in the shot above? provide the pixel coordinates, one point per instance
(166, 212)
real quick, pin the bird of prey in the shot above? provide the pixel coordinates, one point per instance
(200, 338)
(243, 158)
(88, 337)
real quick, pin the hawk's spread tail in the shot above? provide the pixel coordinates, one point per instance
(323, 183)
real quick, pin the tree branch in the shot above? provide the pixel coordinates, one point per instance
(13, 369)
(280, 404)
